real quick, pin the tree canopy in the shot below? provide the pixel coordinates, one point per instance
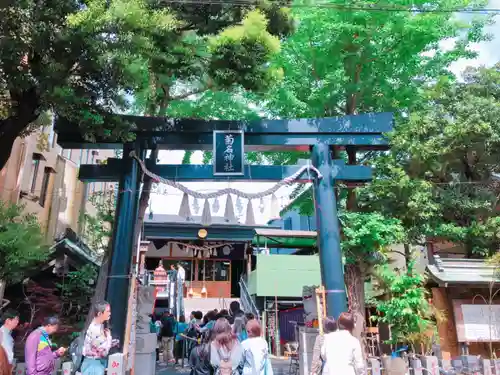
(86, 59)
(22, 244)
(439, 178)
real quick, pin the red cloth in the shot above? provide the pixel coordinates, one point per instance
(160, 275)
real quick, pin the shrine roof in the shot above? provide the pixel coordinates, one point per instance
(193, 220)
(446, 271)
(175, 227)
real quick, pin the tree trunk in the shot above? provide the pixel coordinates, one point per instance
(100, 287)
(3, 284)
(27, 104)
(408, 254)
(144, 200)
(354, 279)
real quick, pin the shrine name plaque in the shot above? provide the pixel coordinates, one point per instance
(228, 153)
(477, 322)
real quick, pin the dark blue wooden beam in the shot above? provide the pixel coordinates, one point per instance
(189, 231)
(253, 142)
(364, 130)
(187, 172)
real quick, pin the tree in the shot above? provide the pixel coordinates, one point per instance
(366, 238)
(356, 59)
(98, 223)
(22, 244)
(82, 58)
(77, 289)
(439, 176)
(406, 308)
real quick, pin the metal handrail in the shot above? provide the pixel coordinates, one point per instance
(247, 300)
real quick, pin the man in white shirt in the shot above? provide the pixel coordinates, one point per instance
(181, 277)
(10, 319)
(181, 273)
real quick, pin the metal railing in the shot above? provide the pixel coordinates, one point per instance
(247, 302)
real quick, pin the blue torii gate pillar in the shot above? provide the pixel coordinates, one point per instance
(325, 204)
(118, 283)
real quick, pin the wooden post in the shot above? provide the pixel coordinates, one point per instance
(318, 307)
(127, 348)
(323, 300)
(277, 329)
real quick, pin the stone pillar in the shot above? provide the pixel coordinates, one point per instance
(486, 367)
(374, 365)
(116, 364)
(307, 337)
(67, 368)
(145, 341)
(20, 369)
(446, 330)
(330, 255)
(416, 364)
(496, 366)
(431, 365)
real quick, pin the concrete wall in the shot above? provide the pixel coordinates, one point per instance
(65, 196)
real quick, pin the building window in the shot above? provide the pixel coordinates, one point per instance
(287, 224)
(34, 173)
(45, 185)
(213, 270)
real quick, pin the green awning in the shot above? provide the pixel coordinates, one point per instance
(283, 275)
(280, 238)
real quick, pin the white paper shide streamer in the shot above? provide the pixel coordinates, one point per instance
(229, 215)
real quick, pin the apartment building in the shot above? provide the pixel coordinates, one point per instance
(44, 178)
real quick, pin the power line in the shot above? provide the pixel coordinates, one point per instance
(343, 8)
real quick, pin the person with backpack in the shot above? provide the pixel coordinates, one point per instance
(168, 337)
(235, 311)
(98, 341)
(239, 328)
(180, 329)
(199, 359)
(255, 351)
(226, 353)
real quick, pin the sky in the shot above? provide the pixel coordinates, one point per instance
(168, 202)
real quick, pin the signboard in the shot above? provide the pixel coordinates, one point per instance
(477, 322)
(229, 153)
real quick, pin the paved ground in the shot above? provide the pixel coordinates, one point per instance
(280, 367)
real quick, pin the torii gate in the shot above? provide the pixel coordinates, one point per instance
(322, 136)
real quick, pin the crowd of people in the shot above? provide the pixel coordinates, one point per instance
(218, 343)
(338, 351)
(40, 356)
(225, 342)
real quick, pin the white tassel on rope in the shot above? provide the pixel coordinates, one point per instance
(229, 215)
(250, 220)
(275, 207)
(185, 210)
(206, 216)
